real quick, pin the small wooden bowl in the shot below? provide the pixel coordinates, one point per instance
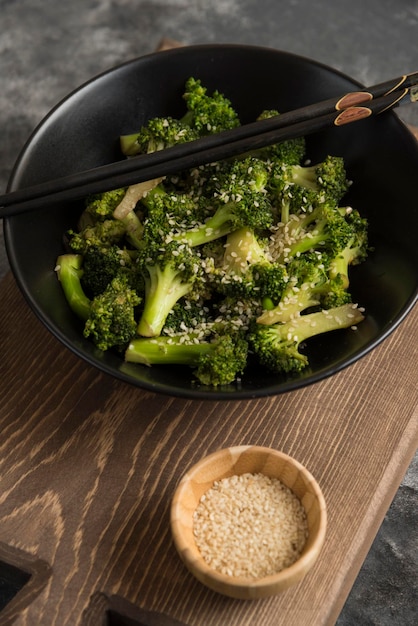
(235, 461)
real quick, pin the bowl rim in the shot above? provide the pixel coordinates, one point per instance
(193, 391)
(207, 574)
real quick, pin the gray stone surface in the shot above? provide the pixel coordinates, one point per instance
(48, 48)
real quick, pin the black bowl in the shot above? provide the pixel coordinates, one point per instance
(82, 132)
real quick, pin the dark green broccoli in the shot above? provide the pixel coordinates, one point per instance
(106, 233)
(240, 200)
(111, 322)
(117, 205)
(300, 188)
(158, 133)
(191, 267)
(69, 268)
(188, 316)
(289, 151)
(101, 206)
(247, 271)
(308, 285)
(180, 210)
(206, 113)
(354, 252)
(170, 271)
(216, 360)
(277, 346)
(325, 228)
(327, 178)
(103, 263)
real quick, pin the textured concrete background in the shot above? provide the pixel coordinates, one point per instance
(49, 48)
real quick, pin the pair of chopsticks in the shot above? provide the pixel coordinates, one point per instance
(348, 108)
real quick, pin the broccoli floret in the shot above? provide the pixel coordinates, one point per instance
(118, 210)
(289, 151)
(102, 205)
(355, 251)
(328, 178)
(216, 360)
(206, 113)
(111, 322)
(300, 188)
(248, 271)
(70, 272)
(158, 133)
(324, 228)
(106, 233)
(308, 285)
(170, 273)
(180, 210)
(108, 206)
(187, 316)
(277, 346)
(240, 200)
(101, 264)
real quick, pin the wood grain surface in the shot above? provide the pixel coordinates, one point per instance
(89, 465)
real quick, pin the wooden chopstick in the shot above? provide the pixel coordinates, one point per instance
(348, 108)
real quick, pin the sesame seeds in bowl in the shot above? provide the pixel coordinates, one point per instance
(250, 525)
(248, 521)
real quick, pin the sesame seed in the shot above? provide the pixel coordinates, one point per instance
(250, 526)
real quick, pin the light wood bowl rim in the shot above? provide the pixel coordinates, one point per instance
(237, 587)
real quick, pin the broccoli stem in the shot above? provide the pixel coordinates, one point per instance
(305, 326)
(340, 264)
(163, 289)
(306, 176)
(166, 350)
(242, 248)
(69, 272)
(288, 308)
(277, 346)
(128, 144)
(134, 229)
(218, 225)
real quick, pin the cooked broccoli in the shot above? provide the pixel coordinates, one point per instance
(240, 200)
(327, 178)
(289, 151)
(103, 229)
(216, 360)
(277, 346)
(106, 233)
(157, 134)
(170, 273)
(325, 228)
(187, 316)
(206, 113)
(300, 188)
(111, 322)
(179, 210)
(101, 206)
(109, 318)
(69, 268)
(247, 270)
(308, 285)
(103, 263)
(355, 251)
(190, 268)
